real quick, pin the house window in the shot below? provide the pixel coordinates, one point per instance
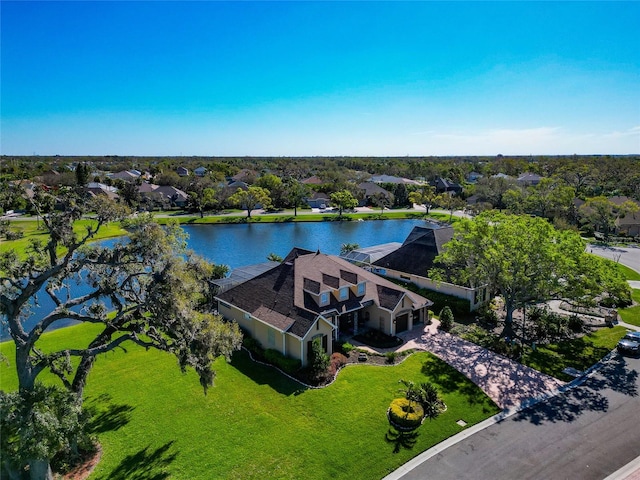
(271, 337)
(324, 298)
(361, 289)
(344, 293)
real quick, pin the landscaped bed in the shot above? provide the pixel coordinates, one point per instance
(255, 422)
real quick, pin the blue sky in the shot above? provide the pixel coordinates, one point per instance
(326, 78)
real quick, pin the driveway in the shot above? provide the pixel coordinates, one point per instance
(508, 383)
(587, 432)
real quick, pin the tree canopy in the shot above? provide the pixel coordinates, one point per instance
(525, 260)
(146, 289)
(344, 200)
(250, 198)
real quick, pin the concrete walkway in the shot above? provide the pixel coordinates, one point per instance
(508, 383)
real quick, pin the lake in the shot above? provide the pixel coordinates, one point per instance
(238, 245)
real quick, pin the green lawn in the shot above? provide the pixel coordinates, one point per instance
(632, 314)
(255, 423)
(628, 273)
(30, 231)
(580, 353)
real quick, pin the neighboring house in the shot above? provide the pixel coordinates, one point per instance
(501, 175)
(314, 180)
(146, 188)
(628, 225)
(318, 200)
(529, 179)
(369, 190)
(311, 295)
(245, 175)
(125, 175)
(392, 179)
(200, 172)
(413, 260)
(443, 185)
(176, 196)
(473, 177)
(100, 189)
(183, 172)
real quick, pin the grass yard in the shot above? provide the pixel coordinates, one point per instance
(632, 314)
(580, 353)
(153, 421)
(628, 273)
(30, 231)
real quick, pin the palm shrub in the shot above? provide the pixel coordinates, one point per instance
(446, 318)
(427, 396)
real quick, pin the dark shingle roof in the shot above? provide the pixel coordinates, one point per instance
(281, 298)
(417, 253)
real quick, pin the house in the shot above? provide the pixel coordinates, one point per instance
(443, 185)
(176, 197)
(392, 179)
(314, 180)
(529, 179)
(628, 225)
(200, 172)
(183, 172)
(100, 189)
(245, 175)
(318, 200)
(311, 295)
(369, 190)
(126, 175)
(413, 260)
(473, 177)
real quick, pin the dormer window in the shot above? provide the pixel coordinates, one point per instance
(324, 298)
(344, 293)
(361, 289)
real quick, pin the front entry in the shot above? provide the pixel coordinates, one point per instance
(402, 323)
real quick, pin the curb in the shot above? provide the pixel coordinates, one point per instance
(506, 413)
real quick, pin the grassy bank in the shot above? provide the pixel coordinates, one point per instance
(255, 423)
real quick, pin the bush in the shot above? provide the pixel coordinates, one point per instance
(391, 357)
(336, 361)
(405, 413)
(446, 319)
(286, 364)
(252, 344)
(346, 348)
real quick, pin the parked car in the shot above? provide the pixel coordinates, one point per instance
(630, 344)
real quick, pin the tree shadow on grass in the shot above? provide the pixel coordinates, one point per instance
(107, 416)
(145, 464)
(400, 439)
(265, 375)
(449, 380)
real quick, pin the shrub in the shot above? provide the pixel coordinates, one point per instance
(446, 319)
(286, 364)
(252, 345)
(391, 357)
(405, 413)
(576, 324)
(346, 348)
(336, 361)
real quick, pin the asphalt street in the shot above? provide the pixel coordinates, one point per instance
(588, 432)
(627, 256)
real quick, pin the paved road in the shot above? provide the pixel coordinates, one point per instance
(586, 433)
(629, 257)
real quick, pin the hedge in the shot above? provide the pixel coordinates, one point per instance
(406, 414)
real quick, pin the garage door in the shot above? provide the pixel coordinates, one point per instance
(402, 323)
